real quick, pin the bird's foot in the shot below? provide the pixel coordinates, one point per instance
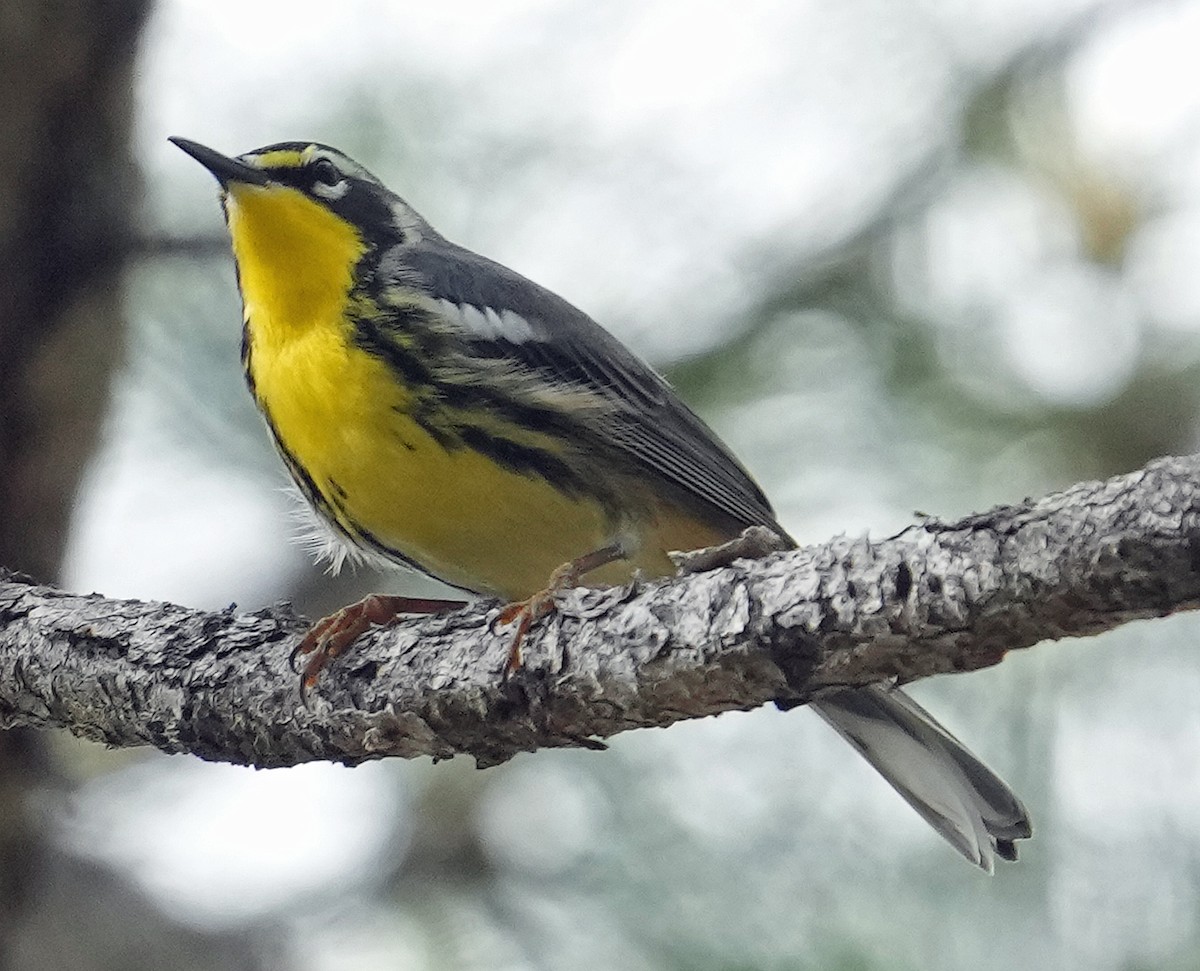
(526, 613)
(753, 543)
(330, 636)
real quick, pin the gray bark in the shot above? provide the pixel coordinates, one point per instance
(940, 597)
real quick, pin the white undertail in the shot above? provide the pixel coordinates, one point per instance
(959, 796)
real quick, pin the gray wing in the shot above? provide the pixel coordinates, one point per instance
(956, 793)
(647, 422)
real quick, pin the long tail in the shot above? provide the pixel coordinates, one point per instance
(959, 796)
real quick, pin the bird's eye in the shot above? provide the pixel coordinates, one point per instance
(325, 171)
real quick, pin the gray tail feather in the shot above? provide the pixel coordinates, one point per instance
(959, 796)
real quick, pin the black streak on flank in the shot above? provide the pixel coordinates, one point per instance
(524, 459)
(904, 581)
(425, 415)
(369, 540)
(403, 362)
(468, 397)
(305, 482)
(246, 361)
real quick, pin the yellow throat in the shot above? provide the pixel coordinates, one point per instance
(295, 258)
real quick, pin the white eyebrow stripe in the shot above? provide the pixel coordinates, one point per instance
(489, 323)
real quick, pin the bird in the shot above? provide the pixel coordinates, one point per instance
(441, 411)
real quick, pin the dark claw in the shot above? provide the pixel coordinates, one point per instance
(301, 648)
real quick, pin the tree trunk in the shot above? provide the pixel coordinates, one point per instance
(66, 180)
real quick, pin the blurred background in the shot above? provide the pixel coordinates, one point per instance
(929, 255)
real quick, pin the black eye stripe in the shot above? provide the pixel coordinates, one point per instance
(323, 170)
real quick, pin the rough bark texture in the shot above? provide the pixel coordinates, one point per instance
(940, 597)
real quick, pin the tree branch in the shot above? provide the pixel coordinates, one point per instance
(939, 597)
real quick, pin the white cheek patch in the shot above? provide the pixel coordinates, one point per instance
(331, 192)
(488, 323)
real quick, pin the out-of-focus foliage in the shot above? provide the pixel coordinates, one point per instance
(904, 257)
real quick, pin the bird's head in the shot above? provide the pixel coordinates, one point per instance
(302, 216)
(299, 176)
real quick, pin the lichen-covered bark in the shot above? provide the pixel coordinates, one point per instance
(940, 597)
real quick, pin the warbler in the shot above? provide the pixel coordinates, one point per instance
(443, 412)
